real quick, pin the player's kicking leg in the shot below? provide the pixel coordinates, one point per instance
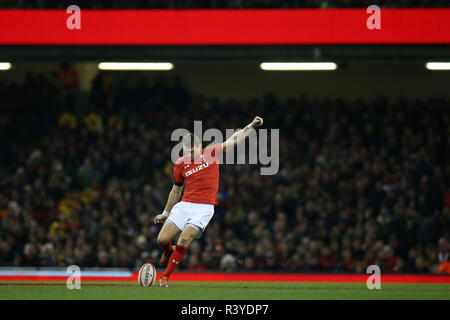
(165, 236)
(189, 233)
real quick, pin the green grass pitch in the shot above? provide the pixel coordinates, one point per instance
(223, 291)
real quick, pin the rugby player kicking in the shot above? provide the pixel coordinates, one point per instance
(198, 169)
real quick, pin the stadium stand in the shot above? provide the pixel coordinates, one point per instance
(359, 182)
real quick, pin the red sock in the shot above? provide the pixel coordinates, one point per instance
(175, 259)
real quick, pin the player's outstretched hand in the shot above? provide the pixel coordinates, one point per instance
(160, 218)
(257, 122)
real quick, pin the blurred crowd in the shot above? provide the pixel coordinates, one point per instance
(219, 4)
(360, 183)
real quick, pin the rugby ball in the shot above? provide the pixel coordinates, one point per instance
(147, 275)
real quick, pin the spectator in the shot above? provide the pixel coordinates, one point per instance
(443, 253)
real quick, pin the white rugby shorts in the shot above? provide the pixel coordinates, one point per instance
(196, 214)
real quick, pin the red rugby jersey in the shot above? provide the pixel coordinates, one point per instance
(201, 179)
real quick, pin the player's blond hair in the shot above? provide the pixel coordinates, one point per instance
(191, 140)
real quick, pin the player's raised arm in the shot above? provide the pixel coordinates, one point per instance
(240, 135)
(174, 197)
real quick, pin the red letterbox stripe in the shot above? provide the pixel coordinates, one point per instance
(225, 27)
